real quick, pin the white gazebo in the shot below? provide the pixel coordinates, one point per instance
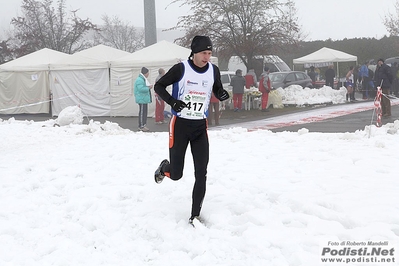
(325, 55)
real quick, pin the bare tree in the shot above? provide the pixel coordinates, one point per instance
(43, 26)
(391, 21)
(5, 52)
(120, 35)
(245, 28)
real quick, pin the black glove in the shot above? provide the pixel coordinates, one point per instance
(222, 95)
(177, 105)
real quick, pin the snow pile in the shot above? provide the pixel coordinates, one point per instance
(296, 95)
(70, 115)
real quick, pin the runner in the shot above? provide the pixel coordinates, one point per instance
(193, 81)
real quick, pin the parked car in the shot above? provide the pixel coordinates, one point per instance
(274, 63)
(390, 61)
(225, 77)
(285, 79)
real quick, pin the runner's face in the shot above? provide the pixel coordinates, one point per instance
(202, 58)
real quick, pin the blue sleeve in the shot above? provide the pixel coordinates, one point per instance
(364, 71)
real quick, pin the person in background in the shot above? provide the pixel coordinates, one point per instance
(330, 75)
(312, 74)
(193, 81)
(142, 95)
(317, 71)
(364, 77)
(265, 87)
(238, 82)
(349, 81)
(250, 79)
(395, 83)
(159, 103)
(356, 78)
(214, 113)
(383, 78)
(372, 91)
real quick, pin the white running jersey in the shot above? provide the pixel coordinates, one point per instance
(195, 89)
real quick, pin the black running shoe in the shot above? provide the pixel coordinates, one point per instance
(159, 175)
(193, 218)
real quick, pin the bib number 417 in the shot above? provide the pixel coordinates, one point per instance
(196, 106)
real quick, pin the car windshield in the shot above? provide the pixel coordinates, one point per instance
(283, 66)
(272, 67)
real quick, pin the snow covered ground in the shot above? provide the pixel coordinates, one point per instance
(79, 194)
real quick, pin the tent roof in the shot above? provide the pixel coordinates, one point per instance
(75, 62)
(160, 53)
(39, 60)
(103, 52)
(325, 55)
(92, 58)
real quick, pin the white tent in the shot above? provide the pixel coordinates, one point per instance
(125, 70)
(24, 82)
(325, 55)
(36, 61)
(99, 80)
(162, 53)
(103, 52)
(83, 80)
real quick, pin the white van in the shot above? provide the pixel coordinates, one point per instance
(225, 77)
(275, 64)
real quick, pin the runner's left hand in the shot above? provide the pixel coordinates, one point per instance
(222, 95)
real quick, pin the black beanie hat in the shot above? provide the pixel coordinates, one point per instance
(144, 70)
(201, 43)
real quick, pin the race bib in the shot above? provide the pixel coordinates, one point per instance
(195, 106)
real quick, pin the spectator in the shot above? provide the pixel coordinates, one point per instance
(159, 103)
(364, 77)
(372, 91)
(312, 74)
(142, 94)
(395, 84)
(356, 78)
(383, 78)
(350, 97)
(317, 70)
(250, 79)
(265, 87)
(330, 75)
(238, 82)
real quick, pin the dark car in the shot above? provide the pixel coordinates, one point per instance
(390, 61)
(285, 79)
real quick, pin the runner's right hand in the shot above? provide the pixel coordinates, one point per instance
(178, 105)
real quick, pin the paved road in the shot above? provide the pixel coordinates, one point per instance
(342, 124)
(330, 119)
(336, 118)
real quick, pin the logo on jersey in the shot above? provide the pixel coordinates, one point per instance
(204, 83)
(197, 92)
(187, 98)
(191, 83)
